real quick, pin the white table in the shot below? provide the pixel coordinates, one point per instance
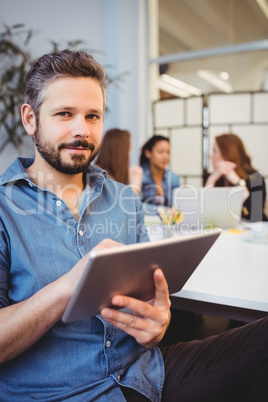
(230, 282)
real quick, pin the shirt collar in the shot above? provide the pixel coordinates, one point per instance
(17, 171)
(147, 171)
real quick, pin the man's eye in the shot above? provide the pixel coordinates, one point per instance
(64, 114)
(93, 116)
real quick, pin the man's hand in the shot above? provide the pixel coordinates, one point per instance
(149, 320)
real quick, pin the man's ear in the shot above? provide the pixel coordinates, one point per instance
(28, 118)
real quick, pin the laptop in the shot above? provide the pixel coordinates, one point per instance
(208, 207)
(128, 270)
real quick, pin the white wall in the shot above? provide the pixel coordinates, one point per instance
(244, 114)
(118, 28)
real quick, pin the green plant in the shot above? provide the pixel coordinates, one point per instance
(15, 60)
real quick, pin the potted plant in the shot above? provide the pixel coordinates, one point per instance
(15, 61)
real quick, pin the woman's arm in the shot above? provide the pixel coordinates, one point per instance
(135, 178)
(226, 169)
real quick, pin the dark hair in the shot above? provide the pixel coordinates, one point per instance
(114, 154)
(66, 63)
(233, 150)
(149, 146)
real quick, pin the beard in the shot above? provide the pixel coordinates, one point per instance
(52, 154)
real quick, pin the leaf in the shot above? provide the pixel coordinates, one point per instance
(15, 62)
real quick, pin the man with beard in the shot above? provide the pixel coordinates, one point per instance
(49, 209)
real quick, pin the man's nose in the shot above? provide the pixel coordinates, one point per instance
(80, 128)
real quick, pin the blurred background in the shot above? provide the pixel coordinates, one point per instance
(188, 69)
(208, 24)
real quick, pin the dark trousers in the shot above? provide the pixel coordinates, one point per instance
(231, 367)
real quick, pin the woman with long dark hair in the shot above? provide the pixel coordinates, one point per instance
(114, 158)
(157, 182)
(232, 167)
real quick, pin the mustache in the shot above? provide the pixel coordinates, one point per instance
(78, 143)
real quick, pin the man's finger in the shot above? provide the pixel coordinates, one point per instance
(161, 290)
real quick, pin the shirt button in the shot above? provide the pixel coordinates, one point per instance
(58, 203)
(81, 232)
(118, 378)
(108, 344)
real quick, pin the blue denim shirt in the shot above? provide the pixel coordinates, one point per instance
(40, 241)
(148, 191)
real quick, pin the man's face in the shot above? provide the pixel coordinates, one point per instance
(70, 124)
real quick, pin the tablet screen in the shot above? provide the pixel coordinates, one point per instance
(128, 270)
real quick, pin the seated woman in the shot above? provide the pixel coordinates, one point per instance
(157, 182)
(114, 158)
(232, 167)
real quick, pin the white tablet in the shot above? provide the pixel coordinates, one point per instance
(128, 270)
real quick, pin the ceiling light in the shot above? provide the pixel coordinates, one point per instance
(167, 79)
(215, 80)
(164, 86)
(263, 4)
(224, 75)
